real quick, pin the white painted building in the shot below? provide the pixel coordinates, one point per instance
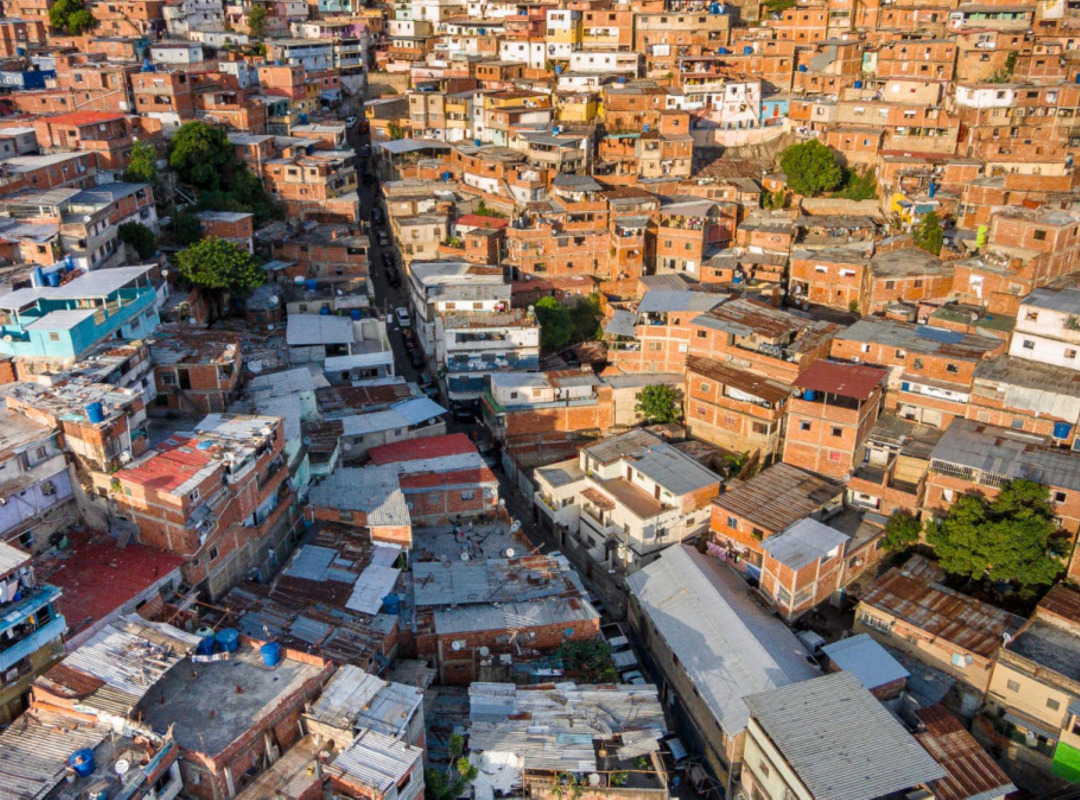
(1048, 327)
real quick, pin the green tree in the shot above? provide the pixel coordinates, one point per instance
(451, 784)
(859, 185)
(1012, 539)
(556, 324)
(928, 234)
(811, 168)
(901, 531)
(71, 16)
(220, 267)
(395, 131)
(659, 403)
(185, 227)
(585, 318)
(202, 155)
(142, 165)
(257, 20)
(777, 6)
(140, 237)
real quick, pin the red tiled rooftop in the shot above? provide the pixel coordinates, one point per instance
(461, 477)
(847, 380)
(84, 117)
(97, 577)
(169, 468)
(479, 221)
(418, 449)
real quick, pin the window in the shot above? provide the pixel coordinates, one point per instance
(213, 553)
(702, 334)
(704, 387)
(804, 426)
(952, 368)
(1060, 497)
(835, 455)
(656, 345)
(1039, 236)
(1029, 344)
(54, 336)
(1052, 704)
(1012, 686)
(733, 523)
(1031, 316)
(1070, 353)
(764, 769)
(837, 431)
(467, 495)
(194, 496)
(821, 269)
(917, 364)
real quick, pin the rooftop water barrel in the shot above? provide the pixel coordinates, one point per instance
(714, 8)
(38, 277)
(858, 84)
(1078, 77)
(622, 79)
(52, 279)
(932, 189)
(354, 313)
(1062, 430)
(311, 284)
(95, 412)
(69, 262)
(558, 70)
(808, 395)
(802, 67)
(723, 51)
(324, 311)
(205, 647)
(392, 604)
(647, 127)
(271, 654)
(476, 142)
(228, 639)
(747, 50)
(82, 761)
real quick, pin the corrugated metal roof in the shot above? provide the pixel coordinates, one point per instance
(803, 543)
(971, 773)
(374, 583)
(622, 323)
(840, 741)
(857, 381)
(354, 698)
(376, 761)
(779, 496)
(34, 752)
(11, 558)
(912, 593)
(372, 490)
(305, 330)
(662, 300)
(728, 645)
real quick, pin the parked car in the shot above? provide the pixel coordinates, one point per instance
(384, 240)
(629, 677)
(393, 278)
(416, 358)
(377, 216)
(387, 259)
(464, 414)
(403, 318)
(350, 121)
(428, 386)
(364, 151)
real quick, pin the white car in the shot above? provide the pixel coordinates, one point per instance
(350, 121)
(403, 318)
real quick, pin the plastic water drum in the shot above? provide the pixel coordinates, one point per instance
(82, 761)
(228, 639)
(271, 654)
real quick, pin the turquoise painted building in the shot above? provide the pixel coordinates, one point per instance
(63, 322)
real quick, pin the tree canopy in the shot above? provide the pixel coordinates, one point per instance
(811, 168)
(202, 155)
(901, 531)
(928, 234)
(1012, 538)
(556, 324)
(138, 236)
(71, 16)
(142, 165)
(220, 266)
(257, 18)
(659, 403)
(451, 784)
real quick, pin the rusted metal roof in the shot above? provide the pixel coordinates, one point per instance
(913, 593)
(1061, 602)
(779, 496)
(970, 771)
(767, 389)
(598, 500)
(857, 381)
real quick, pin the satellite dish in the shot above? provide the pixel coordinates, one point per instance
(516, 526)
(464, 556)
(485, 652)
(510, 552)
(273, 301)
(457, 645)
(121, 766)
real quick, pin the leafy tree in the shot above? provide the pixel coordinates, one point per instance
(811, 168)
(901, 531)
(71, 16)
(484, 210)
(220, 267)
(246, 193)
(140, 237)
(451, 784)
(186, 229)
(585, 317)
(1012, 539)
(774, 201)
(395, 131)
(142, 165)
(659, 403)
(777, 6)
(202, 155)
(859, 185)
(257, 20)
(556, 324)
(928, 234)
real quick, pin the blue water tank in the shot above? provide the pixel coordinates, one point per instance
(447, 176)
(324, 311)
(1078, 77)
(558, 70)
(95, 412)
(228, 639)
(858, 84)
(82, 761)
(723, 51)
(52, 279)
(476, 142)
(647, 127)
(802, 67)
(392, 604)
(932, 189)
(311, 284)
(354, 313)
(622, 79)
(69, 262)
(38, 277)
(1062, 430)
(714, 8)
(747, 50)
(809, 395)
(271, 654)
(736, 279)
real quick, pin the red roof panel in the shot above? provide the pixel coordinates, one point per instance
(84, 117)
(420, 449)
(847, 380)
